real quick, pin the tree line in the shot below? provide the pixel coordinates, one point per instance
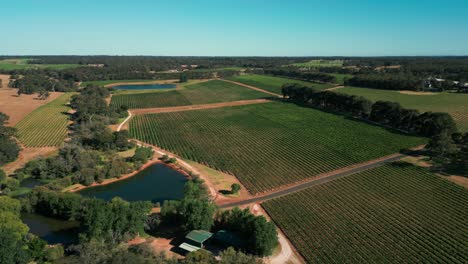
(449, 153)
(35, 83)
(387, 81)
(386, 113)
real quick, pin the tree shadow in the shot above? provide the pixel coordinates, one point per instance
(225, 192)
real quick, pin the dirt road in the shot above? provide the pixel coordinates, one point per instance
(321, 179)
(195, 107)
(253, 88)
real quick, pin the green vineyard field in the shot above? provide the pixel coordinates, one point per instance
(456, 104)
(392, 214)
(47, 125)
(214, 91)
(268, 145)
(273, 84)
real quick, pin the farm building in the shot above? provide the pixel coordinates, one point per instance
(195, 240)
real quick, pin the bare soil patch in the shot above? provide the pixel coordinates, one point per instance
(28, 154)
(221, 182)
(417, 93)
(460, 180)
(17, 107)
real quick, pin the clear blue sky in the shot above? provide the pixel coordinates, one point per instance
(234, 28)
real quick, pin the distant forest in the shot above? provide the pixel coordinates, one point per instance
(394, 73)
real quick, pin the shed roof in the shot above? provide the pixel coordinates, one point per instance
(188, 247)
(199, 235)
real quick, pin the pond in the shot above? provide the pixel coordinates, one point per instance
(30, 183)
(144, 86)
(52, 230)
(156, 183)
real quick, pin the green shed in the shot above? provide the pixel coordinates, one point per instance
(195, 239)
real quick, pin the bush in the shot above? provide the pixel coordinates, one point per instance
(235, 188)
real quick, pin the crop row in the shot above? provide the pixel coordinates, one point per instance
(268, 145)
(392, 214)
(47, 125)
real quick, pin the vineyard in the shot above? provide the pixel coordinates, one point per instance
(214, 91)
(271, 144)
(453, 103)
(47, 125)
(273, 84)
(392, 214)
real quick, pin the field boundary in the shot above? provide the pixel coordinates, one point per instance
(142, 111)
(320, 179)
(251, 87)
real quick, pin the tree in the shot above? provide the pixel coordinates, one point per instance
(235, 188)
(261, 235)
(200, 257)
(264, 238)
(231, 256)
(183, 78)
(142, 154)
(54, 253)
(12, 249)
(9, 149)
(11, 205)
(197, 214)
(442, 147)
(36, 248)
(3, 176)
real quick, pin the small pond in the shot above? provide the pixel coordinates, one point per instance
(145, 87)
(52, 230)
(30, 183)
(156, 183)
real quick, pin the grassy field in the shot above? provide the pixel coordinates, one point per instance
(268, 145)
(273, 84)
(454, 104)
(20, 64)
(47, 125)
(106, 82)
(320, 63)
(391, 214)
(214, 91)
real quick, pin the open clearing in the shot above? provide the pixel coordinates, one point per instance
(17, 107)
(273, 84)
(271, 144)
(208, 92)
(391, 214)
(21, 64)
(320, 63)
(47, 125)
(26, 155)
(456, 104)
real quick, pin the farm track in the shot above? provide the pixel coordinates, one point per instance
(195, 107)
(252, 87)
(335, 88)
(321, 179)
